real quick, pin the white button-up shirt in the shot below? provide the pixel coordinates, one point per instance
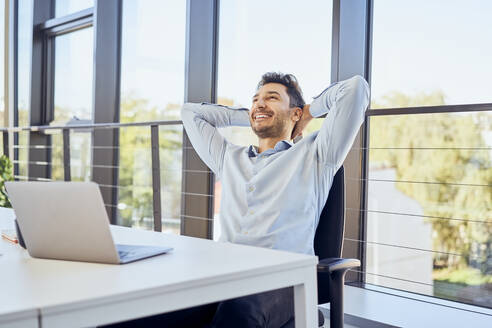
(274, 199)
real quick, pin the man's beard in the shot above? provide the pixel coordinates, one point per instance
(271, 131)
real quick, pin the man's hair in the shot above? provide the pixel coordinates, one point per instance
(290, 82)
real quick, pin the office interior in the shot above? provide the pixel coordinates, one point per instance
(91, 90)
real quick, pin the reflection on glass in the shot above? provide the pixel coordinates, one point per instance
(73, 75)
(430, 187)
(417, 60)
(251, 43)
(66, 7)
(153, 59)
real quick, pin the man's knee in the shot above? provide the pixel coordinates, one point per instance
(240, 312)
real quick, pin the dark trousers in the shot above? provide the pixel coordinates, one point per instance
(272, 309)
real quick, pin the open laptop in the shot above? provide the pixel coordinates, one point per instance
(68, 221)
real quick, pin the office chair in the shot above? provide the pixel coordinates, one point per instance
(328, 242)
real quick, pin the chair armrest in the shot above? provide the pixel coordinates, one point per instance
(332, 264)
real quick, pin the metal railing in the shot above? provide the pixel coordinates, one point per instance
(8, 133)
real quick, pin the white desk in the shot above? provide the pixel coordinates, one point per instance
(198, 271)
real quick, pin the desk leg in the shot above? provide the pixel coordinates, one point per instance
(306, 302)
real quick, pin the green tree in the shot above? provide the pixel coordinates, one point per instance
(455, 153)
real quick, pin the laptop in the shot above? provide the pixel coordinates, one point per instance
(68, 221)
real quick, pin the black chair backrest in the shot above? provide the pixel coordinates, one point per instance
(328, 240)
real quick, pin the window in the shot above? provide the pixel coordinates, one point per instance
(429, 211)
(431, 53)
(152, 88)
(73, 76)
(263, 36)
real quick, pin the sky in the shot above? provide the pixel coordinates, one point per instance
(419, 46)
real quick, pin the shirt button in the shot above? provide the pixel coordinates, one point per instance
(245, 232)
(251, 212)
(251, 188)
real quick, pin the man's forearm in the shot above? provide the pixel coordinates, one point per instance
(345, 103)
(217, 115)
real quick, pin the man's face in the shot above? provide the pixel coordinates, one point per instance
(270, 114)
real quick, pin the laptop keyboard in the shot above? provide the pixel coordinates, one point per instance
(130, 253)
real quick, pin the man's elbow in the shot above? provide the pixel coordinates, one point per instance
(359, 88)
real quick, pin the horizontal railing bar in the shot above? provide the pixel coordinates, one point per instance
(425, 148)
(196, 194)
(422, 182)
(352, 149)
(37, 147)
(27, 178)
(430, 109)
(391, 277)
(36, 163)
(90, 126)
(103, 166)
(407, 247)
(196, 217)
(418, 215)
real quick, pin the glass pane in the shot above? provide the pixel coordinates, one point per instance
(430, 204)
(66, 7)
(135, 207)
(23, 83)
(135, 178)
(431, 53)
(73, 76)
(153, 60)
(170, 150)
(152, 88)
(248, 48)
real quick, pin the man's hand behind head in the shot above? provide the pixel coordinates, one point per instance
(303, 122)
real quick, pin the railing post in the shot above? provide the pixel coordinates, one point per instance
(66, 154)
(6, 143)
(156, 177)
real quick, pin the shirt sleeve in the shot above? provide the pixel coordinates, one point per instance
(201, 122)
(344, 103)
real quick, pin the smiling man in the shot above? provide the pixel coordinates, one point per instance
(273, 193)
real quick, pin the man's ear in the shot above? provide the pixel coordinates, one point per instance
(297, 114)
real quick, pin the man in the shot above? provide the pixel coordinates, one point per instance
(273, 193)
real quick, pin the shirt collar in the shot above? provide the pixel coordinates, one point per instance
(280, 146)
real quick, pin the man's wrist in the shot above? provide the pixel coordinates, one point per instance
(306, 111)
